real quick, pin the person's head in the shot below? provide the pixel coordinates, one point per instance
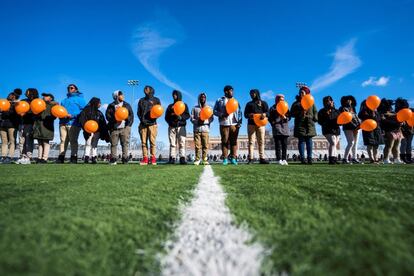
(32, 93)
(118, 96)
(202, 99)
(228, 91)
(348, 101)
(401, 103)
(17, 93)
(72, 88)
(149, 91)
(328, 102)
(303, 90)
(47, 97)
(177, 96)
(255, 94)
(11, 97)
(95, 103)
(279, 98)
(385, 106)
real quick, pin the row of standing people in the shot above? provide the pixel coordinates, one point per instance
(41, 127)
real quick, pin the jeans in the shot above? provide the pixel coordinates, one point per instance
(301, 145)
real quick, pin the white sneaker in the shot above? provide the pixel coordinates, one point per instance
(25, 161)
(205, 163)
(281, 162)
(285, 163)
(112, 163)
(387, 161)
(197, 162)
(398, 161)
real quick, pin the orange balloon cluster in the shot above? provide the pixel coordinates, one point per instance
(307, 101)
(59, 111)
(258, 121)
(282, 107)
(156, 111)
(368, 125)
(179, 108)
(404, 114)
(344, 118)
(4, 105)
(232, 105)
(37, 106)
(205, 113)
(22, 108)
(121, 114)
(373, 102)
(91, 126)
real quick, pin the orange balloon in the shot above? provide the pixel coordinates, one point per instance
(369, 125)
(373, 102)
(156, 111)
(344, 118)
(205, 113)
(259, 122)
(282, 107)
(410, 122)
(59, 111)
(307, 101)
(232, 105)
(37, 106)
(4, 105)
(121, 114)
(91, 126)
(22, 107)
(179, 108)
(404, 115)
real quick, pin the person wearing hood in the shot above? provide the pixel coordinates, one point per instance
(44, 129)
(119, 131)
(92, 112)
(348, 103)
(372, 139)
(201, 131)
(148, 128)
(9, 124)
(407, 131)
(69, 127)
(256, 106)
(26, 140)
(280, 130)
(327, 118)
(176, 129)
(304, 128)
(229, 126)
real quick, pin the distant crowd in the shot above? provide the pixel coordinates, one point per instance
(387, 122)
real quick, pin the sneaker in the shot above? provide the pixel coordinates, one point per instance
(125, 161)
(171, 160)
(94, 160)
(2, 159)
(263, 161)
(280, 162)
(387, 161)
(233, 161)
(60, 159)
(197, 162)
(398, 161)
(7, 160)
(285, 163)
(183, 161)
(344, 161)
(250, 161)
(153, 160)
(225, 161)
(206, 163)
(144, 161)
(25, 161)
(86, 160)
(355, 161)
(112, 162)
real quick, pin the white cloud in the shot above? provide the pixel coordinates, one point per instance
(345, 62)
(268, 95)
(151, 39)
(373, 81)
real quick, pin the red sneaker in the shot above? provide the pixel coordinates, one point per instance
(144, 161)
(153, 160)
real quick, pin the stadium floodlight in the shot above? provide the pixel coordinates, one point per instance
(132, 83)
(300, 84)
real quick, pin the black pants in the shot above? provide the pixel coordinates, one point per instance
(280, 146)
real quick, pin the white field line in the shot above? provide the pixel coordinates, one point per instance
(207, 242)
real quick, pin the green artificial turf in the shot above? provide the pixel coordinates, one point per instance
(327, 220)
(88, 219)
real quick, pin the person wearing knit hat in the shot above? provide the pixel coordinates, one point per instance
(280, 130)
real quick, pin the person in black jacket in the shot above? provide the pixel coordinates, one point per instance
(351, 130)
(280, 129)
(92, 112)
(176, 129)
(9, 124)
(148, 128)
(407, 131)
(260, 107)
(119, 130)
(327, 118)
(372, 139)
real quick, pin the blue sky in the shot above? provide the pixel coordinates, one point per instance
(337, 47)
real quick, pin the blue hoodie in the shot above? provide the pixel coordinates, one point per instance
(74, 104)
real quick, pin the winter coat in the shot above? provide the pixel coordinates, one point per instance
(327, 118)
(174, 120)
(389, 122)
(224, 118)
(375, 137)
(10, 119)
(28, 117)
(88, 113)
(74, 104)
(280, 125)
(110, 115)
(144, 110)
(43, 126)
(198, 125)
(256, 106)
(304, 120)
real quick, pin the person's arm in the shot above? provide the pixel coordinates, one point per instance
(216, 110)
(247, 111)
(315, 113)
(239, 116)
(193, 118)
(109, 114)
(140, 110)
(130, 115)
(265, 108)
(186, 115)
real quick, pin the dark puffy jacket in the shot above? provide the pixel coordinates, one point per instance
(256, 106)
(144, 110)
(110, 115)
(174, 120)
(375, 137)
(91, 113)
(389, 122)
(304, 121)
(43, 127)
(327, 118)
(280, 125)
(10, 119)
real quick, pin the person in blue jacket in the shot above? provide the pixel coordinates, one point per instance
(70, 127)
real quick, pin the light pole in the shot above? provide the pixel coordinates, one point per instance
(132, 83)
(300, 84)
